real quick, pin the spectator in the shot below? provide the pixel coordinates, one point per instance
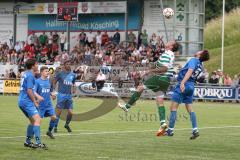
(82, 38)
(90, 38)
(55, 37)
(144, 38)
(17, 47)
(105, 38)
(214, 78)
(116, 37)
(235, 81)
(62, 41)
(100, 80)
(139, 40)
(50, 39)
(43, 39)
(227, 80)
(220, 76)
(99, 39)
(32, 38)
(12, 74)
(131, 37)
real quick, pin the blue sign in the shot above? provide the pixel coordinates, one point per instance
(215, 92)
(88, 21)
(238, 92)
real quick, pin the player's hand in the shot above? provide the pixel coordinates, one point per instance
(182, 87)
(53, 97)
(36, 103)
(143, 73)
(40, 98)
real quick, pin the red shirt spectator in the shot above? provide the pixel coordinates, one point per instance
(105, 38)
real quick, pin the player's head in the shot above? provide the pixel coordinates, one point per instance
(31, 64)
(44, 71)
(172, 45)
(203, 55)
(67, 66)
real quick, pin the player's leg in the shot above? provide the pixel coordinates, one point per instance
(164, 83)
(176, 100)
(161, 108)
(68, 120)
(188, 100)
(135, 96)
(58, 114)
(193, 118)
(51, 113)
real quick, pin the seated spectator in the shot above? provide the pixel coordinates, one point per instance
(12, 74)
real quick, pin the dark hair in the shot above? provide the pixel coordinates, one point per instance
(176, 46)
(30, 63)
(204, 56)
(43, 68)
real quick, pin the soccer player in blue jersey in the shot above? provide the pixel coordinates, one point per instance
(183, 92)
(66, 87)
(27, 103)
(43, 89)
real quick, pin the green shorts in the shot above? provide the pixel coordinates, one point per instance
(157, 83)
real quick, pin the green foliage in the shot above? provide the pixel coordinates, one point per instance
(214, 7)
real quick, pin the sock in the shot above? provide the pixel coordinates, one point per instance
(56, 121)
(36, 130)
(51, 125)
(173, 117)
(133, 99)
(29, 133)
(161, 113)
(69, 118)
(194, 121)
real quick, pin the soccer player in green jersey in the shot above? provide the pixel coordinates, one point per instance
(158, 82)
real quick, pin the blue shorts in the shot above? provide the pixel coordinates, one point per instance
(46, 112)
(186, 97)
(28, 109)
(64, 101)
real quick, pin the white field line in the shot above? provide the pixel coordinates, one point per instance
(118, 132)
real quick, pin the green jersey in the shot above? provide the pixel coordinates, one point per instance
(167, 60)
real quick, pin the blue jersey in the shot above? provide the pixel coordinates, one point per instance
(196, 65)
(27, 82)
(43, 88)
(65, 82)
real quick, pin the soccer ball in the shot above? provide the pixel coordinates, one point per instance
(168, 13)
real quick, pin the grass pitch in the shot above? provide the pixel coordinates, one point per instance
(117, 136)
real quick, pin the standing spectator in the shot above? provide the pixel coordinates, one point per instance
(55, 38)
(116, 37)
(139, 40)
(17, 47)
(62, 40)
(99, 38)
(227, 80)
(43, 39)
(90, 38)
(221, 77)
(105, 38)
(235, 81)
(131, 37)
(154, 41)
(55, 49)
(144, 38)
(32, 38)
(50, 39)
(82, 38)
